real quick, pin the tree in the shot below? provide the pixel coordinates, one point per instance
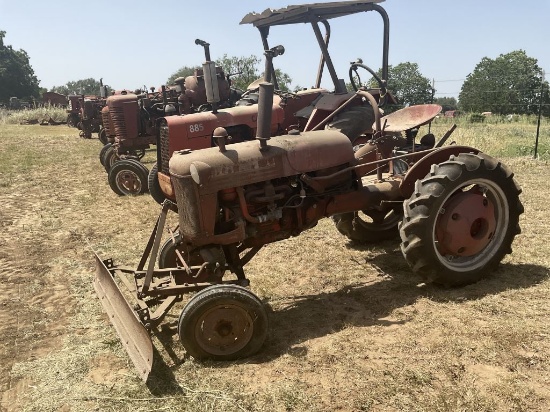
(185, 71)
(407, 84)
(16, 74)
(88, 86)
(242, 71)
(509, 84)
(448, 103)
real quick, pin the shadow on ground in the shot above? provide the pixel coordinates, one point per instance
(307, 317)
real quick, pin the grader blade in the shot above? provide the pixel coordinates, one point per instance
(130, 330)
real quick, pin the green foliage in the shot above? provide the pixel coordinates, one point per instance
(185, 71)
(242, 70)
(31, 116)
(477, 118)
(448, 103)
(407, 84)
(88, 86)
(17, 77)
(283, 80)
(508, 84)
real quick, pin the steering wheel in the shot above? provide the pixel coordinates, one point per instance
(353, 70)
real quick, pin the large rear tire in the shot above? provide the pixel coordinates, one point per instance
(353, 122)
(370, 225)
(223, 322)
(461, 220)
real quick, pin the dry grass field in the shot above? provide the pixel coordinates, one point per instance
(351, 327)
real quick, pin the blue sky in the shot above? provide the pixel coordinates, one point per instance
(135, 43)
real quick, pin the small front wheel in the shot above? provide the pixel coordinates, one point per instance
(223, 322)
(128, 177)
(102, 136)
(154, 185)
(108, 157)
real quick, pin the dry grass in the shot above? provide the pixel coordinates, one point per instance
(351, 328)
(37, 115)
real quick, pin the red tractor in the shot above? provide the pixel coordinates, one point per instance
(458, 210)
(130, 122)
(301, 111)
(84, 112)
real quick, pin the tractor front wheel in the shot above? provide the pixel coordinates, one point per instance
(461, 220)
(102, 153)
(102, 136)
(128, 178)
(109, 157)
(223, 322)
(154, 186)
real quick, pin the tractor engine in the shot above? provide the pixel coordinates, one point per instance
(255, 194)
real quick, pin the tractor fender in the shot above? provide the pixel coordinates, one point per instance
(422, 167)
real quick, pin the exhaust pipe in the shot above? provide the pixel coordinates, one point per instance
(210, 77)
(265, 98)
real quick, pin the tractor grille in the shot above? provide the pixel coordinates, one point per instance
(164, 148)
(105, 120)
(117, 114)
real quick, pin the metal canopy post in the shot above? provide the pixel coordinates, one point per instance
(337, 87)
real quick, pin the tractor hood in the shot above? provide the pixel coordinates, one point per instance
(244, 163)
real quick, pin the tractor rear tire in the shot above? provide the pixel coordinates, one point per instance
(128, 177)
(223, 322)
(461, 220)
(353, 122)
(154, 186)
(369, 226)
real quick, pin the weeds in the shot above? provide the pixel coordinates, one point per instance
(352, 328)
(33, 116)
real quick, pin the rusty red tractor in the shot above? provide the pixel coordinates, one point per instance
(455, 209)
(303, 110)
(73, 110)
(130, 122)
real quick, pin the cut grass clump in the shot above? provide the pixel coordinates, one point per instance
(33, 116)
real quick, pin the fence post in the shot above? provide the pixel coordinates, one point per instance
(540, 113)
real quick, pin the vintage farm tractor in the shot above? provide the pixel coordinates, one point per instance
(302, 111)
(130, 121)
(458, 211)
(84, 112)
(73, 110)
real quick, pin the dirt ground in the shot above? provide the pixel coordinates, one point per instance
(351, 328)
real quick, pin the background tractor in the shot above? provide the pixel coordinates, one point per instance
(130, 121)
(458, 214)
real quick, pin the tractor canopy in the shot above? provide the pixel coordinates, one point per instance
(314, 14)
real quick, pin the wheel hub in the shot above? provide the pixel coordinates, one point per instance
(225, 329)
(466, 225)
(129, 181)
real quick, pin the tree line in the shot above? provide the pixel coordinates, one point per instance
(512, 83)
